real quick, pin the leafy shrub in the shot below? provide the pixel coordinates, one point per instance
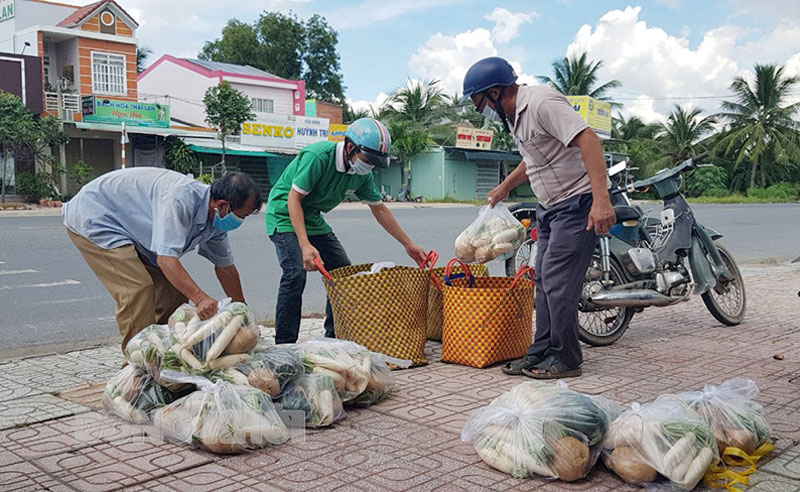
(34, 186)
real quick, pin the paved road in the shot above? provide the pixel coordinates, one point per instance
(50, 300)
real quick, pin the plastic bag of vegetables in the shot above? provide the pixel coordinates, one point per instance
(735, 419)
(662, 437)
(347, 363)
(220, 417)
(381, 382)
(541, 429)
(146, 349)
(316, 397)
(494, 234)
(218, 343)
(132, 394)
(269, 370)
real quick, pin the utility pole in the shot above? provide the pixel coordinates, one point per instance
(62, 148)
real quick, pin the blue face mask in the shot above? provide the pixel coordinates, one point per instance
(361, 167)
(228, 223)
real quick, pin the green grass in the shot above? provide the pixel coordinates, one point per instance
(739, 198)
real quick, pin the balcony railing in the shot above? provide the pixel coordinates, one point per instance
(70, 105)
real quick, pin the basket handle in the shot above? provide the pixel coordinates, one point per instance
(464, 268)
(429, 262)
(523, 269)
(321, 269)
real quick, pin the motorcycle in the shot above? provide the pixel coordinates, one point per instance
(645, 262)
(525, 213)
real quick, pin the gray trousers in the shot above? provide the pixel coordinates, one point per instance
(564, 253)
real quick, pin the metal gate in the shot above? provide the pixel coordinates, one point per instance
(487, 177)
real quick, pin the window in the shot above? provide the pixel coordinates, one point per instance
(108, 74)
(260, 105)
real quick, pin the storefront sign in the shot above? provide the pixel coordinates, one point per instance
(6, 9)
(474, 138)
(101, 110)
(284, 131)
(336, 133)
(594, 112)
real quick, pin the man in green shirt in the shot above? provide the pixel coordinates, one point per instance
(315, 182)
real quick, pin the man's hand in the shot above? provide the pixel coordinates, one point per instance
(207, 307)
(309, 253)
(498, 194)
(601, 217)
(416, 253)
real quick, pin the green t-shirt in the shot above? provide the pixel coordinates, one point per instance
(314, 174)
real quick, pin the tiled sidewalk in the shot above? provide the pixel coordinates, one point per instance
(411, 441)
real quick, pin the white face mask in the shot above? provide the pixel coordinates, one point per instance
(360, 167)
(490, 114)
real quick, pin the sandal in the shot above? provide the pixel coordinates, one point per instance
(551, 368)
(516, 367)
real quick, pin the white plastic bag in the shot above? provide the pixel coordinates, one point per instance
(663, 437)
(541, 429)
(132, 394)
(269, 370)
(347, 363)
(316, 397)
(381, 381)
(220, 417)
(735, 419)
(493, 235)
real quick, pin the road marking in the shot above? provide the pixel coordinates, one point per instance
(68, 301)
(35, 286)
(2, 262)
(16, 272)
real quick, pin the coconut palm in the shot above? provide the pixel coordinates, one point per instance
(681, 136)
(142, 54)
(628, 129)
(424, 105)
(760, 123)
(577, 76)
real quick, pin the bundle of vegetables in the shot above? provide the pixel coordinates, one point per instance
(315, 396)
(735, 419)
(347, 363)
(132, 394)
(146, 349)
(663, 437)
(218, 343)
(541, 429)
(381, 382)
(269, 370)
(492, 235)
(220, 417)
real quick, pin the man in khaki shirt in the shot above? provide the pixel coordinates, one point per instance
(563, 160)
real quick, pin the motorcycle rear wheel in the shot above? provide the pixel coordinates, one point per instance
(727, 301)
(602, 326)
(524, 255)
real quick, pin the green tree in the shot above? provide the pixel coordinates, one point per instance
(628, 129)
(287, 47)
(408, 141)
(142, 54)
(761, 127)
(239, 44)
(681, 136)
(351, 114)
(322, 67)
(226, 110)
(577, 76)
(178, 156)
(424, 105)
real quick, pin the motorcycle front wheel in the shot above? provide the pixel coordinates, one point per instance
(600, 326)
(727, 302)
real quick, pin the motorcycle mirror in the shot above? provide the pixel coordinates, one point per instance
(617, 168)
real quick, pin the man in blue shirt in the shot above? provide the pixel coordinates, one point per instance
(133, 225)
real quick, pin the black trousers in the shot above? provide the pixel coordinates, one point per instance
(564, 253)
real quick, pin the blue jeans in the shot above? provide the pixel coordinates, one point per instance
(293, 281)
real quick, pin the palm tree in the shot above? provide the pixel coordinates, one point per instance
(577, 76)
(760, 127)
(423, 104)
(681, 136)
(628, 129)
(142, 53)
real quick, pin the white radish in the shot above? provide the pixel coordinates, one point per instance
(338, 380)
(506, 236)
(335, 365)
(187, 356)
(228, 361)
(136, 357)
(236, 376)
(209, 328)
(697, 469)
(224, 338)
(678, 452)
(502, 248)
(676, 474)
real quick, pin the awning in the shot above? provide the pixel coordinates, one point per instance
(230, 151)
(129, 129)
(485, 155)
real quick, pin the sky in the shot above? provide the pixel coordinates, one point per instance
(664, 52)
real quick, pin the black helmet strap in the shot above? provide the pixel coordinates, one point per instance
(498, 107)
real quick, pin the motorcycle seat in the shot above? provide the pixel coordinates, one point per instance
(625, 212)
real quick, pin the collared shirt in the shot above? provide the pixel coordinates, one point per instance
(160, 212)
(318, 173)
(544, 126)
